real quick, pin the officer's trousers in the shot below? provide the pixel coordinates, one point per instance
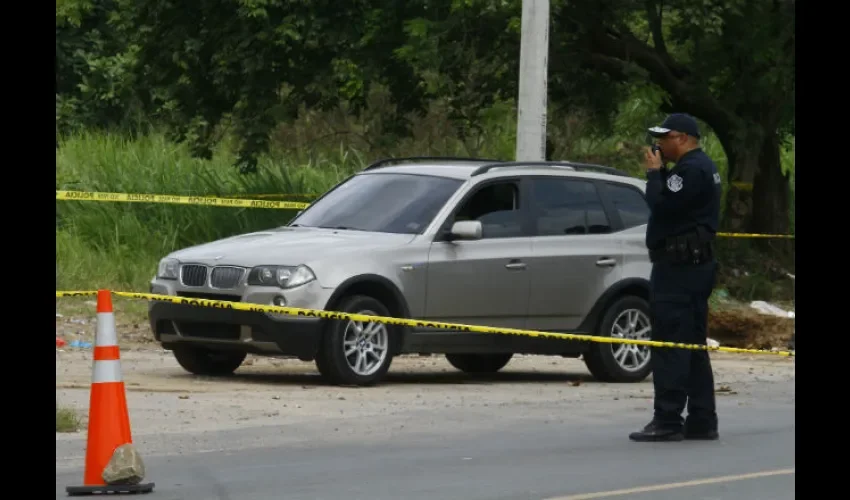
(679, 310)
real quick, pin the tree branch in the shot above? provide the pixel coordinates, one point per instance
(668, 74)
(614, 67)
(654, 17)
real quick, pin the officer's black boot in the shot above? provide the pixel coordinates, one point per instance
(701, 429)
(654, 431)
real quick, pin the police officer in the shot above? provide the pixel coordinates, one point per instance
(685, 211)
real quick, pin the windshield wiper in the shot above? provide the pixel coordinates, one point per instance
(341, 227)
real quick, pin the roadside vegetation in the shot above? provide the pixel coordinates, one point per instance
(264, 101)
(67, 420)
(118, 245)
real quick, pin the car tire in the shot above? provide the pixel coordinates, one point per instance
(376, 351)
(634, 363)
(479, 363)
(203, 361)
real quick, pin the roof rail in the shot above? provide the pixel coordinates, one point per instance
(563, 164)
(412, 159)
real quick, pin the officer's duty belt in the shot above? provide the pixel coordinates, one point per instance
(690, 248)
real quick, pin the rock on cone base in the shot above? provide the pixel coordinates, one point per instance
(116, 489)
(108, 428)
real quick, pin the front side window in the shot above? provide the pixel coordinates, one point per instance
(381, 202)
(497, 207)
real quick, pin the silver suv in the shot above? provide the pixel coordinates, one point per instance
(547, 246)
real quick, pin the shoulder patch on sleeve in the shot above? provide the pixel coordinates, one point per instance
(674, 183)
(716, 178)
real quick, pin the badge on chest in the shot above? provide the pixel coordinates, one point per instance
(674, 183)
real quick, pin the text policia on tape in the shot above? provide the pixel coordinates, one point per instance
(181, 200)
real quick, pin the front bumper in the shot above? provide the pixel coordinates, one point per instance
(253, 332)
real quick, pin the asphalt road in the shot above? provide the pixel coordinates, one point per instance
(554, 451)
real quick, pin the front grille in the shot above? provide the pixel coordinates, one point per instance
(193, 275)
(226, 277)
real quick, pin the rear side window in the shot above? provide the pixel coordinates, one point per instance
(567, 206)
(629, 203)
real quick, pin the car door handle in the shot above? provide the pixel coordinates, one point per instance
(606, 262)
(515, 265)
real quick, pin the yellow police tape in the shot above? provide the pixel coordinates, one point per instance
(248, 203)
(310, 196)
(293, 311)
(754, 235)
(183, 200)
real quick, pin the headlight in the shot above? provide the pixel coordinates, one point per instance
(282, 276)
(167, 269)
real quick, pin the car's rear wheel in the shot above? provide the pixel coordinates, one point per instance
(627, 317)
(203, 361)
(479, 363)
(357, 352)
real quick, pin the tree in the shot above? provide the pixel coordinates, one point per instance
(730, 63)
(199, 63)
(93, 67)
(253, 62)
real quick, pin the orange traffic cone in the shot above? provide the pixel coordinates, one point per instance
(109, 420)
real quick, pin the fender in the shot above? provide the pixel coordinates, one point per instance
(628, 286)
(373, 280)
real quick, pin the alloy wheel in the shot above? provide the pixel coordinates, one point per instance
(631, 324)
(365, 345)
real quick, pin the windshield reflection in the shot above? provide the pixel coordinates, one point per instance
(381, 202)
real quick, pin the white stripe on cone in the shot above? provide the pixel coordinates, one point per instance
(105, 335)
(106, 371)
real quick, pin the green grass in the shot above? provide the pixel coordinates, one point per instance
(67, 420)
(117, 245)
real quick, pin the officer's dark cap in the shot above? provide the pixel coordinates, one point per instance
(680, 122)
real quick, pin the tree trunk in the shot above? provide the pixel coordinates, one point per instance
(771, 191)
(737, 217)
(758, 195)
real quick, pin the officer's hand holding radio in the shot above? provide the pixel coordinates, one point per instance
(652, 158)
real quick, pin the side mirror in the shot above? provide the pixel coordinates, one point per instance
(466, 230)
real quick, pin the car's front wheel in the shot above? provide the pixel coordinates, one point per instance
(357, 352)
(627, 317)
(202, 361)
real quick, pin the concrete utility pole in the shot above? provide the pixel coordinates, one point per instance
(533, 69)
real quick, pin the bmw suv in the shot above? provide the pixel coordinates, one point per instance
(545, 246)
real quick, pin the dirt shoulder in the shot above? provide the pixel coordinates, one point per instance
(163, 398)
(741, 326)
(271, 400)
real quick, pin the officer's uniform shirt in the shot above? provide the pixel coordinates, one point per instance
(686, 196)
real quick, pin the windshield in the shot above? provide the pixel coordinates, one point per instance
(385, 203)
